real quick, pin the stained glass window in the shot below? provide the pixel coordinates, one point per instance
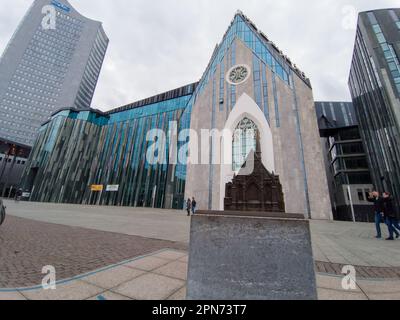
(244, 140)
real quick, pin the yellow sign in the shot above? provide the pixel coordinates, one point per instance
(97, 187)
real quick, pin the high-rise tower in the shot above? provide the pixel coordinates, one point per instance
(48, 66)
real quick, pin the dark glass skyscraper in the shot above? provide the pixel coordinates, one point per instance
(375, 88)
(44, 69)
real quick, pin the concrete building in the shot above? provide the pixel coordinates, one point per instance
(46, 67)
(375, 88)
(248, 86)
(346, 165)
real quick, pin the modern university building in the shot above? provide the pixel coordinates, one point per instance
(100, 158)
(374, 84)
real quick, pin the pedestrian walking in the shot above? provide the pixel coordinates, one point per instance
(194, 205)
(378, 202)
(188, 206)
(390, 216)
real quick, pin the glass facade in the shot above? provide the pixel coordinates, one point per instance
(373, 83)
(389, 54)
(79, 149)
(243, 29)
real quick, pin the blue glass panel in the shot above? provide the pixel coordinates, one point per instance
(265, 91)
(277, 117)
(257, 81)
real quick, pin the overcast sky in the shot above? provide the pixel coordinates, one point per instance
(158, 45)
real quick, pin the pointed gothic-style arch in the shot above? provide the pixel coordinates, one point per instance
(247, 108)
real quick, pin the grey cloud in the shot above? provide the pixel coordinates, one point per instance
(162, 44)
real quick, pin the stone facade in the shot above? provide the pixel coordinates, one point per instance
(294, 133)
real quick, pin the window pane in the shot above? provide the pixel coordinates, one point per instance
(360, 195)
(381, 38)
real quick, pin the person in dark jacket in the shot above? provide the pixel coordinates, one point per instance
(18, 195)
(194, 205)
(390, 216)
(378, 202)
(188, 206)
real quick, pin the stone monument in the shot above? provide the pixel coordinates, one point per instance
(259, 191)
(253, 250)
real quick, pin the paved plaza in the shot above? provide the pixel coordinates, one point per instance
(106, 253)
(354, 244)
(171, 225)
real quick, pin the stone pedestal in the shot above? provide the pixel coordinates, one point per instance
(250, 256)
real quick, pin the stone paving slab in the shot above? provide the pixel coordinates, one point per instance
(113, 277)
(75, 290)
(170, 255)
(150, 285)
(380, 287)
(177, 270)
(179, 295)
(147, 264)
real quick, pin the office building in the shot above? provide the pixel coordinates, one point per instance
(346, 164)
(375, 88)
